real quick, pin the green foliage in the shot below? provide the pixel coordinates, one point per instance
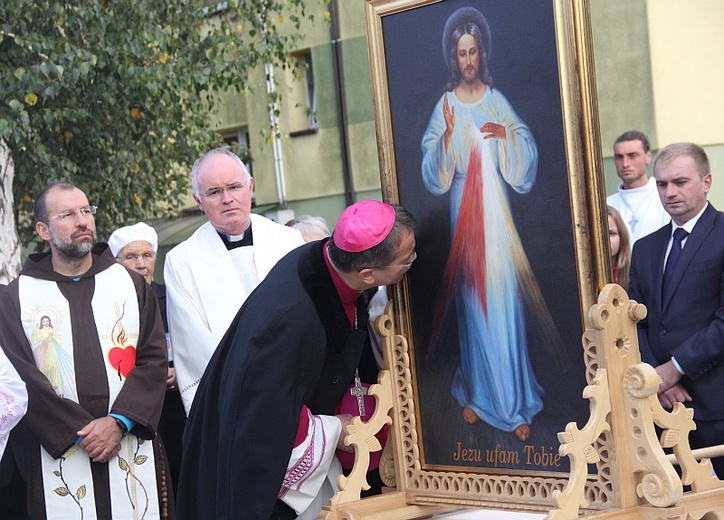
(116, 96)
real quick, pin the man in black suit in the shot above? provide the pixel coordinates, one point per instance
(678, 273)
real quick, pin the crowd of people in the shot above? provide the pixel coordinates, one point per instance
(228, 389)
(101, 365)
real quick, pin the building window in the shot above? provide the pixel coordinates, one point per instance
(302, 95)
(238, 141)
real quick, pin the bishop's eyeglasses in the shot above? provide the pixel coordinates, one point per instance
(405, 265)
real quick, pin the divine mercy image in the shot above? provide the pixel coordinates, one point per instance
(494, 304)
(474, 143)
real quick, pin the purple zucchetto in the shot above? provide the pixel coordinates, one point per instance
(363, 225)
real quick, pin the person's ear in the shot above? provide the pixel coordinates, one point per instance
(43, 231)
(367, 276)
(198, 203)
(707, 182)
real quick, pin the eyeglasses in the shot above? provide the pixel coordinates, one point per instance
(69, 214)
(406, 266)
(233, 189)
(132, 257)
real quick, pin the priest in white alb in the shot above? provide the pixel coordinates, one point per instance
(210, 275)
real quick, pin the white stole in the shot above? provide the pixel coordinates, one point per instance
(242, 258)
(67, 481)
(311, 476)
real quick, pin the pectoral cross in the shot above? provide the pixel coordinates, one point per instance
(632, 223)
(359, 392)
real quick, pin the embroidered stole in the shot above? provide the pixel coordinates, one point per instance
(46, 318)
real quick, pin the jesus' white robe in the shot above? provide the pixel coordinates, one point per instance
(495, 377)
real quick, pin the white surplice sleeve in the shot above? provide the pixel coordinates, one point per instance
(13, 399)
(311, 477)
(192, 340)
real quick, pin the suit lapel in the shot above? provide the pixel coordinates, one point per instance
(656, 269)
(694, 242)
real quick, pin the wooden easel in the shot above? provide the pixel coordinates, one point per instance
(624, 408)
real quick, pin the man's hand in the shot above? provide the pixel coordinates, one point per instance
(675, 394)
(102, 439)
(669, 375)
(670, 391)
(346, 420)
(171, 379)
(493, 131)
(449, 115)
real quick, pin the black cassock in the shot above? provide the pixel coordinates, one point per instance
(291, 343)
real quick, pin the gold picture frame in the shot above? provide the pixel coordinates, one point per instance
(400, 60)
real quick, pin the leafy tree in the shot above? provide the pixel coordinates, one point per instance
(116, 95)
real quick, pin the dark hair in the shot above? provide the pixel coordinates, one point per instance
(380, 255)
(40, 210)
(455, 75)
(634, 135)
(45, 317)
(676, 150)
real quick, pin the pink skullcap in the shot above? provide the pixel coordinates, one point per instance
(363, 225)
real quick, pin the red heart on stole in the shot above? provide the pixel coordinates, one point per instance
(123, 359)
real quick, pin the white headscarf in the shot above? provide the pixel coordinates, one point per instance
(121, 237)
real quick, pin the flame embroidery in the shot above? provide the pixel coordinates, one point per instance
(122, 357)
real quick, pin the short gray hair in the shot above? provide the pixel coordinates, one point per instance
(310, 225)
(222, 150)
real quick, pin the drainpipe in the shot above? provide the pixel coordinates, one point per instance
(336, 41)
(274, 124)
(276, 140)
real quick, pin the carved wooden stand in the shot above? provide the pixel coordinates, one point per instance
(624, 403)
(624, 408)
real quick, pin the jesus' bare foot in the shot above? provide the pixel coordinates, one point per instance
(470, 416)
(522, 432)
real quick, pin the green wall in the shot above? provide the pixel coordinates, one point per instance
(626, 85)
(623, 69)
